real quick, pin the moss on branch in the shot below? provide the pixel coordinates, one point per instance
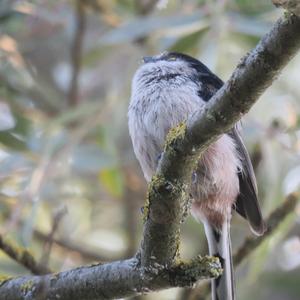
(186, 274)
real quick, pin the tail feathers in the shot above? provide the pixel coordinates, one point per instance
(223, 288)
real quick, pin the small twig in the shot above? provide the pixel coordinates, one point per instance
(23, 257)
(49, 241)
(83, 251)
(108, 16)
(76, 51)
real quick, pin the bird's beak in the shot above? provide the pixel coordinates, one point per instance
(147, 59)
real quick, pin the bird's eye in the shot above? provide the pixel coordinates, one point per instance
(171, 58)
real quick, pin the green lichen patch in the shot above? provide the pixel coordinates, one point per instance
(152, 193)
(159, 187)
(165, 200)
(157, 181)
(175, 136)
(146, 208)
(179, 152)
(288, 14)
(177, 243)
(4, 278)
(212, 264)
(27, 286)
(187, 273)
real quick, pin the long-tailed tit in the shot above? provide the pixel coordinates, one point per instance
(166, 90)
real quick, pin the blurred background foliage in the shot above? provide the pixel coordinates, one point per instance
(71, 189)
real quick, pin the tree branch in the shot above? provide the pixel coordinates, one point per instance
(292, 6)
(113, 280)
(156, 266)
(23, 257)
(76, 49)
(185, 143)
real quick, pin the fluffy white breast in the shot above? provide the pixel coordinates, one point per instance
(163, 95)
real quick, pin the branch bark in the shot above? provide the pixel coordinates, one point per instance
(112, 280)
(185, 143)
(157, 266)
(292, 6)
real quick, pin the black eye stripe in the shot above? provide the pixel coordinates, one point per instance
(169, 76)
(163, 77)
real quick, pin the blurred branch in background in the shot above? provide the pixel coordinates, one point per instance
(71, 246)
(273, 221)
(59, 214)
(249, 245)
(106, 12)
(23, 257)
(144, 7)
(76, 52)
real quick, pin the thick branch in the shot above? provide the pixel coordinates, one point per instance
(113, 280)
(184, 145)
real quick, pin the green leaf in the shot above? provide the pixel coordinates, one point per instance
(15, 138)
(112, 181)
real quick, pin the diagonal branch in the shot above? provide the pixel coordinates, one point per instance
(23, 257)
(184, 144)
(156, 266)
(273, 221)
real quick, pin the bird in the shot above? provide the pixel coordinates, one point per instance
(166, 89)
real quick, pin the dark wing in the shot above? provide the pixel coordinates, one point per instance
(247, 202)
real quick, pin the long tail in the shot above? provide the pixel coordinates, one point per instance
(223, 288)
